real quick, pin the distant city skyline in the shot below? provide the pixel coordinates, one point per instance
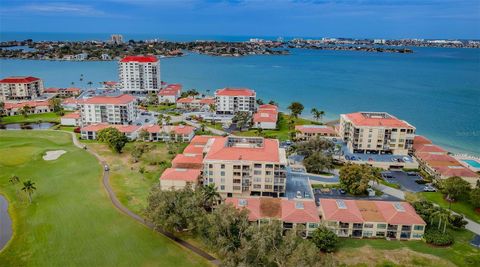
(388, 19)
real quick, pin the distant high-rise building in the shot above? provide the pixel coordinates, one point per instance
(116, 38)
(140, 74)
(233, 100)
(20, 88)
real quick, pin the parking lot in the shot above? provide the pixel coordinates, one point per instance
(404, 179)
(297, 183)
(336, 193)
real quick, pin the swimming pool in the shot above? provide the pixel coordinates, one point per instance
(472, 163)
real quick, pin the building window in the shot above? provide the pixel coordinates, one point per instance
(368, 225)
(418, 227)
(257, 172)
(380, 234)
(222, 187)
(222, 166)
(312, 225)
(417, 235)
(381, 226)
(257, 179)
(222, 173)
(257, 165)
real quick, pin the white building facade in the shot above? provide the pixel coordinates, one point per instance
(108, 109)
(140, 74)
(20, 88)
(232, 100)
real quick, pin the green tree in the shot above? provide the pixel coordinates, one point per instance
(273, 103)
(242, 119)
(454, 187)
(56, 105)
(174, 210)
(318, 163)
(224, 229)
(296, 108)
(2, 109)
(90, 83)
(443, 216)
(29, 188)
(475, 197)
(354, 178)
(314, 145)
(324, 239)
(143, 135)
(260, 101)
(25, 110)
(113, 138)
(210, 196)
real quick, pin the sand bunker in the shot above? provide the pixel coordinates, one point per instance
(53, 155)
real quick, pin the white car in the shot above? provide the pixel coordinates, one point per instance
(299, 194)
(429, 188)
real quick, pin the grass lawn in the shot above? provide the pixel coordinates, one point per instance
(284, 130)
(71, 221)
(130, 185)
(409, 253)
(44, 117)
(460, 206)
(161, 107)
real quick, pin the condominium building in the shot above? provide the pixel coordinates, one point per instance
(29, 107)
(266, 117)
(90, 132)
(233, 100)
(178, 178)
(245, 166)
(63, 92)
(190, 103)
(175, 133)
(435, 161)
(108, 109)
(170, 93)
(307, 132)
(140, 74)
(376, 132)
(372, 219)
(289, 212)
(20, 88)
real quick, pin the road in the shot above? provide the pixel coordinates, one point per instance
(123, 209)
(471, 225)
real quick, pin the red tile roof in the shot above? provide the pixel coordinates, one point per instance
(317, 129)
(268, 107)
(141, 59)
(9, 105)
(449, 171)
(359, 119)
(265, 116)
(435, 156)
(429, 148)
(194, 149)
(112, 100)
(179, 129)
(100, 126)
(70, 100)
(284, 209)
(74, 115)
(171, 89)
(235, 92)
(19, 79)
(189, 100)
(358, 211)
(200, 139)
(178, 174)
(269, 152)
(187, 161)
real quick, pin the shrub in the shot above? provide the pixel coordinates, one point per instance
(324, 239)
(436, 237)
(457, 221)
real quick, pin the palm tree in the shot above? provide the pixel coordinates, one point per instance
(321, 114)
(90, 83)
(160, 119)
(72, 84)
(441, 214)
(210, 196)
(14, 180)
(168, 119)
(29, 188)
(315, 113)
(25, 110)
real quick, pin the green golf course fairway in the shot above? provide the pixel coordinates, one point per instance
(71, 221)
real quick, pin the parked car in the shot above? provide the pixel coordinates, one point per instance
(343, 192)
(299, 194)
(411, 173)
(429, 188)
(106, 168)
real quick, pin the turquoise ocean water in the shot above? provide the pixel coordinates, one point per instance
(435, 89)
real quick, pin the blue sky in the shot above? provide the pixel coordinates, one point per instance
(314, 18)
